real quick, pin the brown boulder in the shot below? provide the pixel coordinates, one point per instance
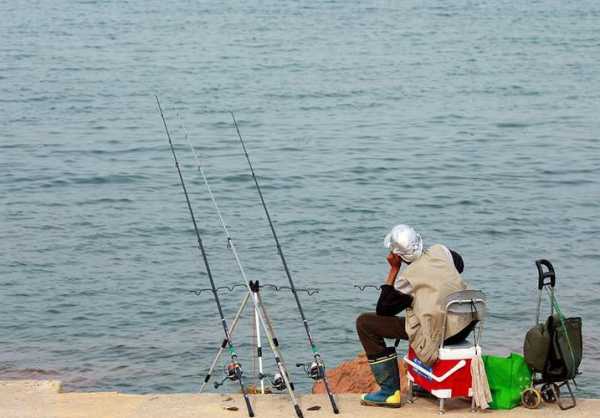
(354, 376)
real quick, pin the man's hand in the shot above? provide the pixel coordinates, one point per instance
(394, 260)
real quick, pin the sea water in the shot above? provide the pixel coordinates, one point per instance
(474, 121)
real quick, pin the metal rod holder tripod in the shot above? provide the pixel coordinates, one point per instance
(234, 325)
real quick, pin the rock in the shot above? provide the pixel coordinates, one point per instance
(354, 376)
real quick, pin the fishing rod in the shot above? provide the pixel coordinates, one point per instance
(316, 370)
(235, 369)
(282, 377)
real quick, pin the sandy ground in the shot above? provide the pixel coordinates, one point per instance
(43, 399)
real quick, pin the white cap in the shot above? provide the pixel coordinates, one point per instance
(404, 241)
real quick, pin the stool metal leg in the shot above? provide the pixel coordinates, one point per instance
(411, 396)
(441, 412)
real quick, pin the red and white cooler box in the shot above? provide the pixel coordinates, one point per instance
(450, 376)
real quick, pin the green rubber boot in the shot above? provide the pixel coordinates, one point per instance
(387, 376)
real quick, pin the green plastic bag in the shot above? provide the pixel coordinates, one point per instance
(507, 377)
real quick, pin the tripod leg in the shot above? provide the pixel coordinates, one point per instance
(234, 324)
(259, 347)
(274, 345)
(270, 329)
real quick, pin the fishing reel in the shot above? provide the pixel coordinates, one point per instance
(233, 372)
(314, 370)
(277, 381)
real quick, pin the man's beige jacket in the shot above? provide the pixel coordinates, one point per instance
(432, 277)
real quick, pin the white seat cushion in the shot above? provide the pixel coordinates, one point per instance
(464, 350)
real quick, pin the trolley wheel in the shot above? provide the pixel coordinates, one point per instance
(531, 398)
(549, 392)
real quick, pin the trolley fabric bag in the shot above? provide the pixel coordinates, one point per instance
(537, 347)
(566, 352)
(507, 377)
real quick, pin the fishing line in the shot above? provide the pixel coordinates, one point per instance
(309, 290)
(363, 287)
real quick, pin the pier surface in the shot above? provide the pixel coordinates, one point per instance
(44, 399)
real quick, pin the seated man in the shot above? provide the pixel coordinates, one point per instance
(421, 290)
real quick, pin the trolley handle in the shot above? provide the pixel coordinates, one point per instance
(544, 275)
